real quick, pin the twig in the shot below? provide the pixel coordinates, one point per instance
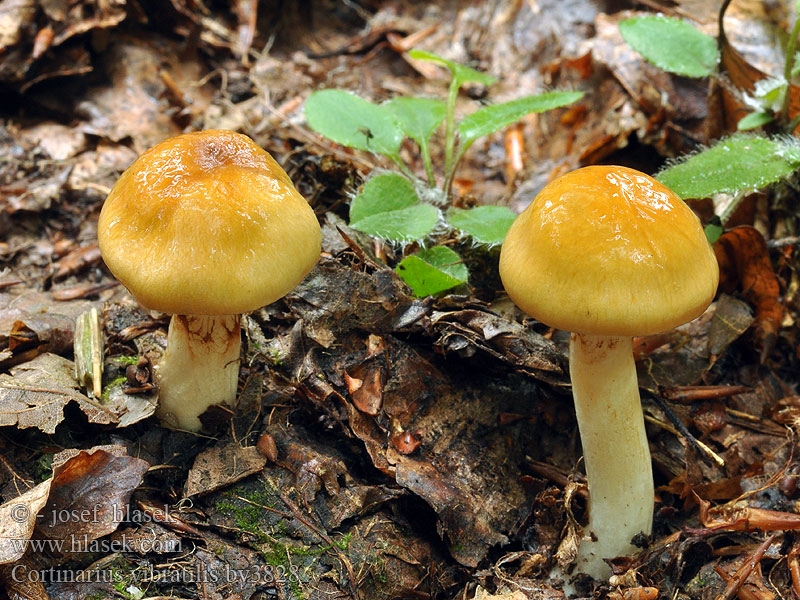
(680, 429)
(325, 537)
(735, 582)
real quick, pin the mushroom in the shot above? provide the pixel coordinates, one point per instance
(608, 253)
(205, 226)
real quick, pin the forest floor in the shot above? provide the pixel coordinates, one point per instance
(383, 446)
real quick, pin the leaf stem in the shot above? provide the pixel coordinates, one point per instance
(425, 151)
(402, 166)
(789, 67)
(449, 128)
(451, 172)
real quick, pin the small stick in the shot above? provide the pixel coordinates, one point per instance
(742, 573)
(680, 428)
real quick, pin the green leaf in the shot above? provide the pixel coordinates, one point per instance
(418, 117)
(352, 121)
(713, 231)
(403, 225)
(460, 73)
(671, 44)
(753, 120)
(492, 118)
(486, 224)
(739, 163)
(389, 208)
(432, 271)
(383, 193)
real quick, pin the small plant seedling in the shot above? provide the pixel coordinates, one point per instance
(433, 271)
(741, 162)
(398, 206)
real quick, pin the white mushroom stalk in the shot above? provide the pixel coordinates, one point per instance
(615, 450)
(199, 369)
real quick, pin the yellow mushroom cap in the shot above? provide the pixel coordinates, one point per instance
(207, 223)
(607, 250)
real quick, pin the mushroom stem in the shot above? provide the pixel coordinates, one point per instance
(200, 367)
(615, 450)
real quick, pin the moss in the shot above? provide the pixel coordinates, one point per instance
(43, 467)
(245, 504)
(246, 507)
(276, 357)
(124, 361)
(344, 542)
(107, 389)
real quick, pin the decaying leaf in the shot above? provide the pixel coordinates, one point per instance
(129, 408)
(18, 519)
(744, 75)
(35, 393)
(86, 498)
(732, 317)
(94, 487)
(222, 465)
(21, 582)
(365, 381)
(499, 337)
(745, 266)
(476, 505)
(331, 291)
(32, 323)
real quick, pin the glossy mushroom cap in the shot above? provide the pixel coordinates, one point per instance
(607, 250)
(207, 223)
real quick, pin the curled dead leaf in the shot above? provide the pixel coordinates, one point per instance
(745, 266)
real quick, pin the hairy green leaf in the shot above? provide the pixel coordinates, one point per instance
(383, 193)
(418, 117)
(389, 208)
(671, 44)
(432, 271)
(402, 225)
(492, 118)
(352, 121)
(486, 224)
(753, 120)
(460, 73)
(739, 163)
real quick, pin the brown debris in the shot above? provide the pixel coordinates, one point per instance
(745, 266)
(220, 466)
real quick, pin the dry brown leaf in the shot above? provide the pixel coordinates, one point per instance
(35, 393)
(89, 494)
(222, 465)
(745, 266)
(732, 317)
(18, 520)
(482, 594)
